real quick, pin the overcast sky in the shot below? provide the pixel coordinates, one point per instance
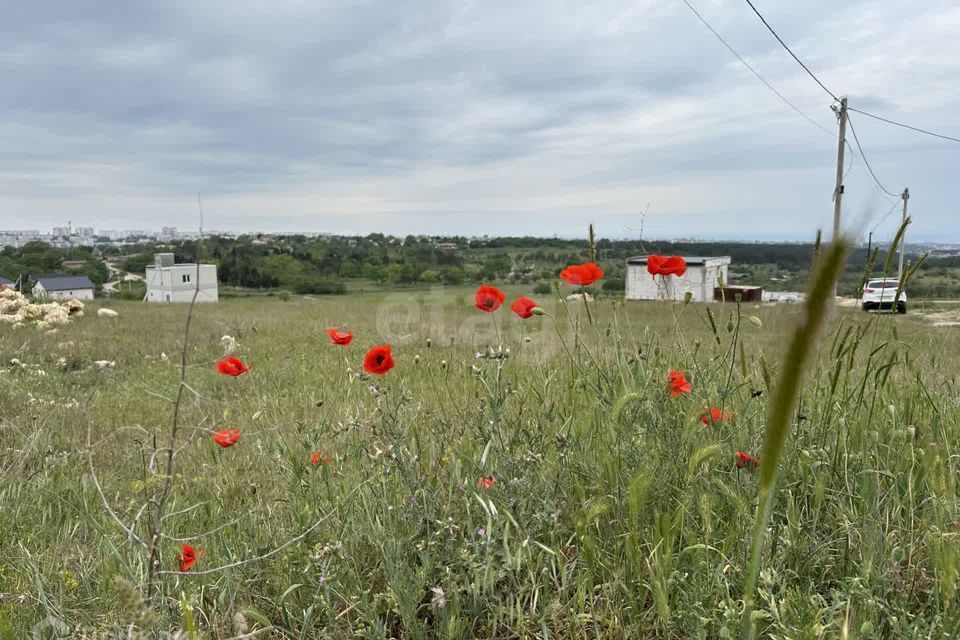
(472, 117)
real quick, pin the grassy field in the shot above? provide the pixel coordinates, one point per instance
(616, 513)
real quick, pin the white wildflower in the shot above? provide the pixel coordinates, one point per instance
(439, 599)
(107, 313)
(229, 344)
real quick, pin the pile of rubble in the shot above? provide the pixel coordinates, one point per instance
(17, 310)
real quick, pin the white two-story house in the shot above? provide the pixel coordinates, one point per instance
(170, 282)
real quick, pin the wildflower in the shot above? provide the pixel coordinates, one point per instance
(581, 274)
(678, 384)
(439, 599)
(342, 338)
(714, 416)
(486, 481)
(745, 459)
(489, 298)
(320, 456)
(378, 360)
(229, 344)
(666, 266)
(227, 438)
(188, 557)
(523, 307)
(231, 366)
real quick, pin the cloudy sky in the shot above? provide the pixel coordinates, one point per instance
(472, 116)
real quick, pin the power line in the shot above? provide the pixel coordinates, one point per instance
(833, 95)
(885, 216)
(853, 152)
(867, 162)
(755, 72)
(905, 126)
(784, 45)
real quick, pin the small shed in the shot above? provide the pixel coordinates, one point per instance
(62, 286)
(702, 275)
(729, 293)
(168, 281)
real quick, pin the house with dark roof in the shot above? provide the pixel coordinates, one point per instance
(62, 286)
(6, 283)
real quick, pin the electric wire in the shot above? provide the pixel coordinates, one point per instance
(885, 216)
(905, 126)
(867, 162)
(755, 72)
(784, 45)
(853, 153)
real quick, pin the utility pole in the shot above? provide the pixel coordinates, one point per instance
(903, 238)
(869, 244)
(838, 191)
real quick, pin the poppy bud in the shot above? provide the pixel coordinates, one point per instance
(527, 339)
(755, 321)
(688, 297)
(443, 364)
(416, 359)
(730, 327)
(429, 343)
(537, 311)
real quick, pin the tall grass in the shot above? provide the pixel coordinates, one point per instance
(616, 512)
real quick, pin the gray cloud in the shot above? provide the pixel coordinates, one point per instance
(465, 116)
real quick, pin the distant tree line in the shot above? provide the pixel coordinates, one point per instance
(38, 257)
(327, 264)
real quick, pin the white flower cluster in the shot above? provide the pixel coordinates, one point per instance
(17, 310)
(230, 345)
(18, 366)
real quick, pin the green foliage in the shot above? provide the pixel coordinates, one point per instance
(543, 288)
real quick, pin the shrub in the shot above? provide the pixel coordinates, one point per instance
(542, 288)
(316, 285)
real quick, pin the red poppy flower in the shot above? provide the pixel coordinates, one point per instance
(713, 417)
(231, 366)
(581, 274)
(227, 438)
(523, 307)
(486, 481)
(320, 456)
(341, 338)
(678, 383)
(489, 298)
(378, 360)
(745, 459)
(188, 557)
(666, 266)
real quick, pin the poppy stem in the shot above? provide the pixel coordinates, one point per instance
(496, 329)
(576, 364)
(583, 296)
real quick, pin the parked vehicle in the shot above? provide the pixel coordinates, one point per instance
(882, 294)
